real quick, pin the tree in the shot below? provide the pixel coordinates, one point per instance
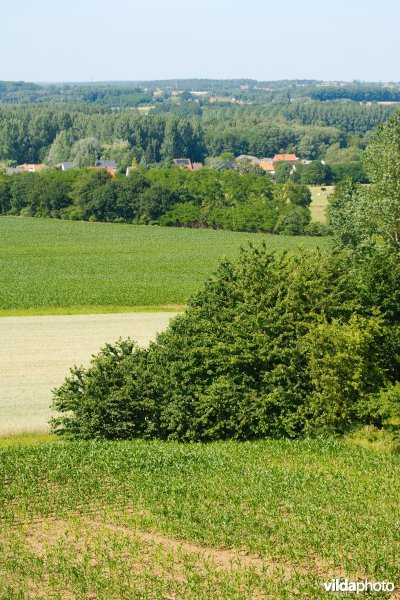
(316, 173)
(283, 171)
(351, 170)
(119, 151)
(5, 194)
(83, 192)
(364, 217)
(293, 220)
(274, 345)
(298, 194)
(86, 151)
(337, 155)
(382, 199)
(60, 149)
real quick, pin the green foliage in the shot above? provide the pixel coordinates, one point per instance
(86, 151)
(337, 155)
(5, 194)
(298, 194)
(282, 172)
(293, 220)
(49, 120)
(209, 198)
(388, 407)
(273, 346)
(354, 171)
(316, 173)
(369, 216)
(61, 148)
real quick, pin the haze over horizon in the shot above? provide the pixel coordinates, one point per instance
(143, 40)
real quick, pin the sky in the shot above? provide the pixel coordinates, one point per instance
(133, 40)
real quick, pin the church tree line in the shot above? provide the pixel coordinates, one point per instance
(170, 197)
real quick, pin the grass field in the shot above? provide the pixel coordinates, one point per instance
(152, 520)
(52, 266)
(319, 202)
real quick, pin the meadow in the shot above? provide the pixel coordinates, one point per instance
(319, 202)
(50, 266)
(149, 520)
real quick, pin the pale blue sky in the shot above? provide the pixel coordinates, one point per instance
(50, 40)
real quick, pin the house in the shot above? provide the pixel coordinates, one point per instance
(183, 163)
(267, 164)
(31, 168)
(105, 164)
(253, 159)
(196, 166)
(14, 170)
(290, 158)
(67, 165)
(109, 165)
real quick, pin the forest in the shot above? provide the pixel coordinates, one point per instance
(157, 122)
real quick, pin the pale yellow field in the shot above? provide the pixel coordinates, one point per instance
(39, 352)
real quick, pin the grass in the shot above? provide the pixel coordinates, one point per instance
(379, 440)
(27, 439)
(319, 202)
(87, 310)
(59, 267)
(270, 519)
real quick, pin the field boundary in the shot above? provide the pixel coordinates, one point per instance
(43, 311)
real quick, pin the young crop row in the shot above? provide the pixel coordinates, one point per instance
(47, 262)
(311, 508)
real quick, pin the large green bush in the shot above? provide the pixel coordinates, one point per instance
(275, 345)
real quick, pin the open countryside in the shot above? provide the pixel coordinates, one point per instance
(250, 451)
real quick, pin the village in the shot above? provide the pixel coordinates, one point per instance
(266, 164)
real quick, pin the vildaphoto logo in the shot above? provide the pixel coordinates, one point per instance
(344, 585)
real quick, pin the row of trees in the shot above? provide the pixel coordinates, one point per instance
(169, 197)
(318, 173)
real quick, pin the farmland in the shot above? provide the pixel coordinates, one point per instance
(35, 361)
(271, 519)
(319, 203)
(53, 266)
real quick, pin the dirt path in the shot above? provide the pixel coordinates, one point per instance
(37, 352)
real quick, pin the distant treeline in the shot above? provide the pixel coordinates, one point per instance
(130, 93)
(171, 197)
(357, 92)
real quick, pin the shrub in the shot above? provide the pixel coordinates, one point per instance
(273, 346)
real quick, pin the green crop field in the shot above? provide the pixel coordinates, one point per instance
(49, 266)
(153, 520)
